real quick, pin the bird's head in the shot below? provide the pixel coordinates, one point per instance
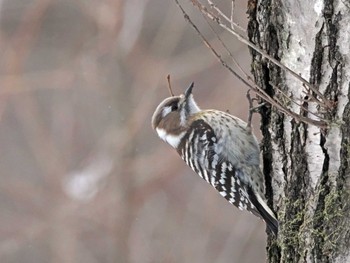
(171, 118)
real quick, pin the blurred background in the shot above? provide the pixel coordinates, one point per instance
(84, 178)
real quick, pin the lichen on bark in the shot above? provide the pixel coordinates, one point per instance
(307, 168)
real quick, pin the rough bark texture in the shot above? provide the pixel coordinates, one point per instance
(307, 169)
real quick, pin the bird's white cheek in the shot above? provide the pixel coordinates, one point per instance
(173, 140)
(166, 111)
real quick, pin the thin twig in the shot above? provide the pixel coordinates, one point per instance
(259, 91)
(232, 12)
(233, 24)
(246, 75)
(241, 38)
(293, 100)
(169, 86)
(252, 109)
(226, 48)
(205, 41)
(250, 112)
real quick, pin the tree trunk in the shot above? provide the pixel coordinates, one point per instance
(306, 168)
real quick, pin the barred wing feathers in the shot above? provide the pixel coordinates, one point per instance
(203, 150)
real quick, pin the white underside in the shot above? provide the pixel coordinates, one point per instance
(173, 140)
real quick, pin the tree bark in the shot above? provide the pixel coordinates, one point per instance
(306, 168)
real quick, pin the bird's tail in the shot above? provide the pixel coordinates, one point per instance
(264, 212)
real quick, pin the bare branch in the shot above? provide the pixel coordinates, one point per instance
(232, 11)
(241, 38)
(230, 20)
(226, 48)
(259, 91)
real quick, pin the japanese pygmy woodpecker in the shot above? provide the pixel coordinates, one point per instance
(220, 148)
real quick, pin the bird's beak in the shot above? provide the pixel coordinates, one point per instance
(188, 92)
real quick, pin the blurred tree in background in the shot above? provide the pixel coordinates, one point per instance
(83, 176)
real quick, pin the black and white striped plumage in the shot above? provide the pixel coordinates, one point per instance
(220, 148)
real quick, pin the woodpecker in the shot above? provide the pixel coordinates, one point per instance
(220, 148)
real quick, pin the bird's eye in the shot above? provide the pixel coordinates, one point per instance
(174, 107)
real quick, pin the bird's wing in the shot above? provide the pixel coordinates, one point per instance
(224, 174)
(235, 141)
(202, 154)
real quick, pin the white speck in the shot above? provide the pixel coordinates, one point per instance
(223, 170)
(200, 174)
(233, 184)
(212, 180)
(241, 194)
(206, 177)
(240, 206)
(318, 7)
(186, 155)
(223, 193)
(84, 184)
(215, 160)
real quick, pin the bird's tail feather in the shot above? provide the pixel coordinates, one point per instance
(264, 212)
